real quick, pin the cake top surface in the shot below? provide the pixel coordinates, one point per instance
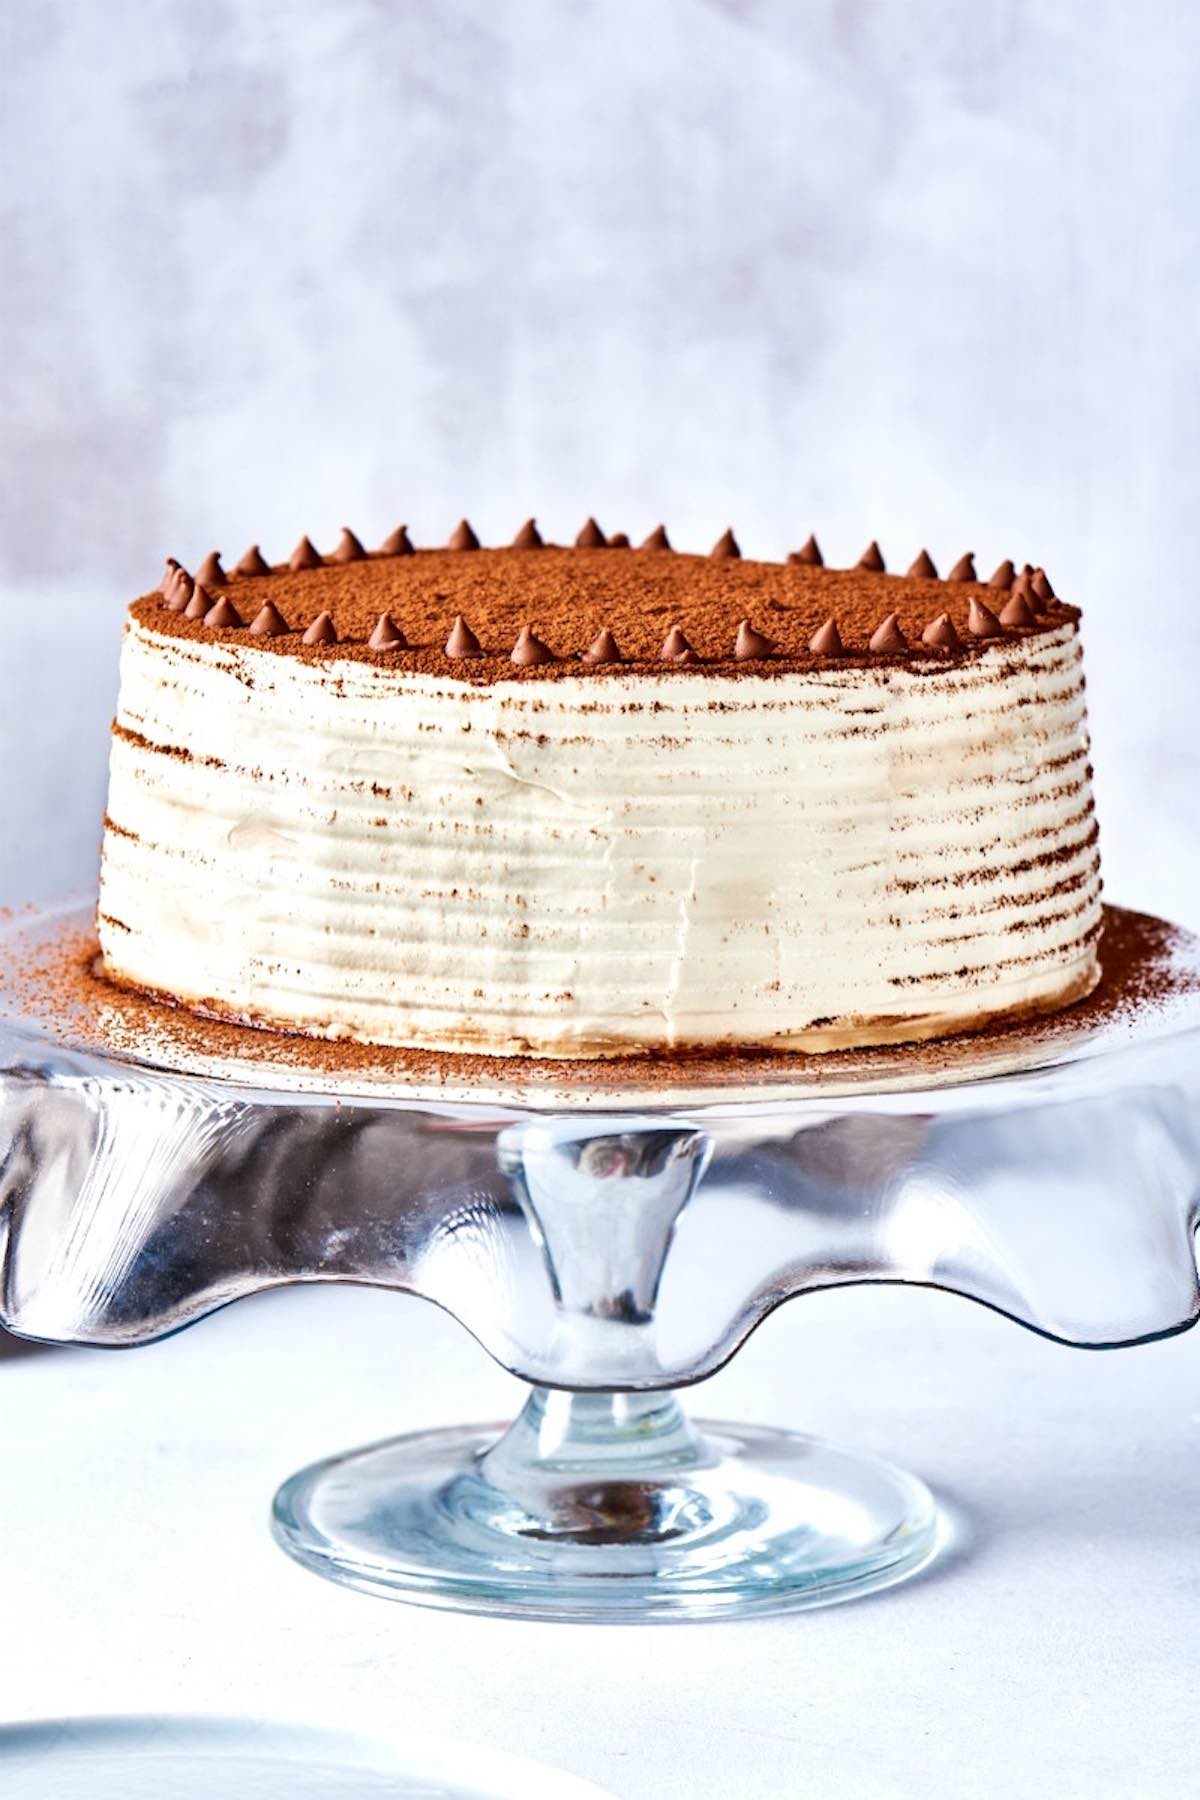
(539, 610)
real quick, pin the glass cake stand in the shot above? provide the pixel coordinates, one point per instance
(608, 1240)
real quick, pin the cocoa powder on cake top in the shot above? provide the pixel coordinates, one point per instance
(567, 597)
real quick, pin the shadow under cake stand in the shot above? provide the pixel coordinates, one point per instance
(609, 1233)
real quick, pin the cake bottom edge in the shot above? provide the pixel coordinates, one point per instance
(826, 1039)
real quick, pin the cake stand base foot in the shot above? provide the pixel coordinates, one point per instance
(608, 1507)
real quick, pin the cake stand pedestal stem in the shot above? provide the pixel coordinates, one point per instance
(604, 1502)
(597, 1468)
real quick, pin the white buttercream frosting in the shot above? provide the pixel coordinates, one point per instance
(584, 865)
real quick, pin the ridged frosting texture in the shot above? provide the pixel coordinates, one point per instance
(582, 868)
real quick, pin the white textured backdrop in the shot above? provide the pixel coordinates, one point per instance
(919, 270)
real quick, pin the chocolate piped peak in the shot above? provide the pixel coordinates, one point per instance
(602, 649)
(922, 565)
(808, 555)
(268, 621)
(529, 650)
(675, 646)
(322, 630)
(1040, 584)
(529, 537)
(751, 643)
(178, 591)
(940, 634)
(872, 558)
(348, 549)
(658, 540)
(827, 641)
(964, 569)
(223, 615)
(982, 621)
(199, 605)
(397, 544)
(1023, 585)
(887, 638)
(725, 546)
(618, 540)
(1003, 576)
(462, 640)
(1017, 612)
(387, 635)
(252, 563)
(210, 571)
(590, 536)
(463, 537)
(305, 556)
(170, 569)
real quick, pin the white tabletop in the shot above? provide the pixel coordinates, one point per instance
(1050, 1653)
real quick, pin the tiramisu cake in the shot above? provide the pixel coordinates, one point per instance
(600, 800)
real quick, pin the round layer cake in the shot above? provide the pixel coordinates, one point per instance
(599, 801)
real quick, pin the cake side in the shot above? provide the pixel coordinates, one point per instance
(840, 851)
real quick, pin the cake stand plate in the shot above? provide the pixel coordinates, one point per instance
(609, 1234)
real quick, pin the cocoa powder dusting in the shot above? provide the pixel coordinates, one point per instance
(569, 596)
